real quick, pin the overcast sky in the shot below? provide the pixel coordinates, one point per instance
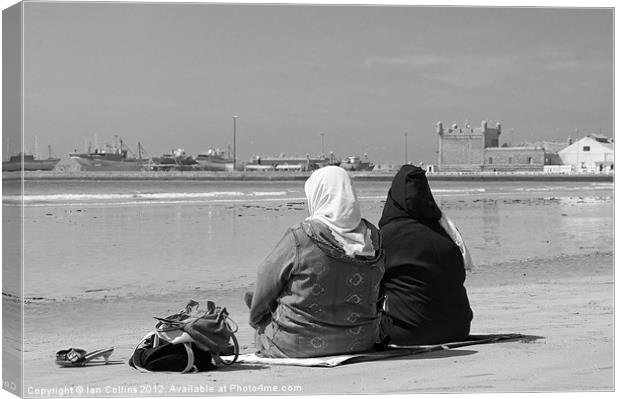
(172, 76)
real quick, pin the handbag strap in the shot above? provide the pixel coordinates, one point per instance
(147, 336)
(231, 325)
(169, 323)
(190, 358)
(235, 354)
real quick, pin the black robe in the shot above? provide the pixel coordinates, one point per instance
(424, 271)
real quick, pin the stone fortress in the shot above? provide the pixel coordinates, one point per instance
(467, 149)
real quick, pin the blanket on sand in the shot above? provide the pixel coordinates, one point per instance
(390, 352)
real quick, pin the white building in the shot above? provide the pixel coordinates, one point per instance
(592, 153)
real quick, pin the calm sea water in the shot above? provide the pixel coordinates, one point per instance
(124, 238)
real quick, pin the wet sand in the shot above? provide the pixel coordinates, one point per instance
(375, 175)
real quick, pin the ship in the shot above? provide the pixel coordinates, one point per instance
(356, 164)
(110, 158)
(24, 161)
(215, 160)
(291, 163)
(174, 160)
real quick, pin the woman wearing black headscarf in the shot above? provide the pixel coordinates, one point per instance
(426, 301)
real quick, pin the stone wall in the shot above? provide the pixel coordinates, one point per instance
(514, 159)
(462, 149)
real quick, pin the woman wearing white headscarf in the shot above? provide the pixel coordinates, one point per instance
(316, 293)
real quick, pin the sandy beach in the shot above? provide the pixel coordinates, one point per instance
(544, 269)
(570, 308)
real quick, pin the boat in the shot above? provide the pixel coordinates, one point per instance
(174, 160)
(355, 163)
(109, 158)
(214, 160)
(260, 168)
(24, 161)
(291, 163)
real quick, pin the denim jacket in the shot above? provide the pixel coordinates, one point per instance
(311, 299)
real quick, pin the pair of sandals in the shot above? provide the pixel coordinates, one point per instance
(74, 357)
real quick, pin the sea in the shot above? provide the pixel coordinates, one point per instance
(107, 239)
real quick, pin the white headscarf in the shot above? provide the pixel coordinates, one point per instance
(332, 200)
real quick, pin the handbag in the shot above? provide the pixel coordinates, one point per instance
(156, 354)
(193, 338)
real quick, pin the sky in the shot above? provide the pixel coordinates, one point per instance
(173, 75)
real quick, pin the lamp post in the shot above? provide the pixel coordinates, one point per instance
(235, 142)
(406, 155)
(322, 144)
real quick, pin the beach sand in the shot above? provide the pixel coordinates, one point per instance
(568, 306)
(545, 270)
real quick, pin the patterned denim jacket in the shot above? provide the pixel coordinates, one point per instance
(311, 299)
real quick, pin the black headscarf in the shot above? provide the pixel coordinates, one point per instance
(410, 197)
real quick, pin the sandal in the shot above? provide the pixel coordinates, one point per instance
(74, 357)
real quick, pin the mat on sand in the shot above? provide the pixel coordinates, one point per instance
(392, 351)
